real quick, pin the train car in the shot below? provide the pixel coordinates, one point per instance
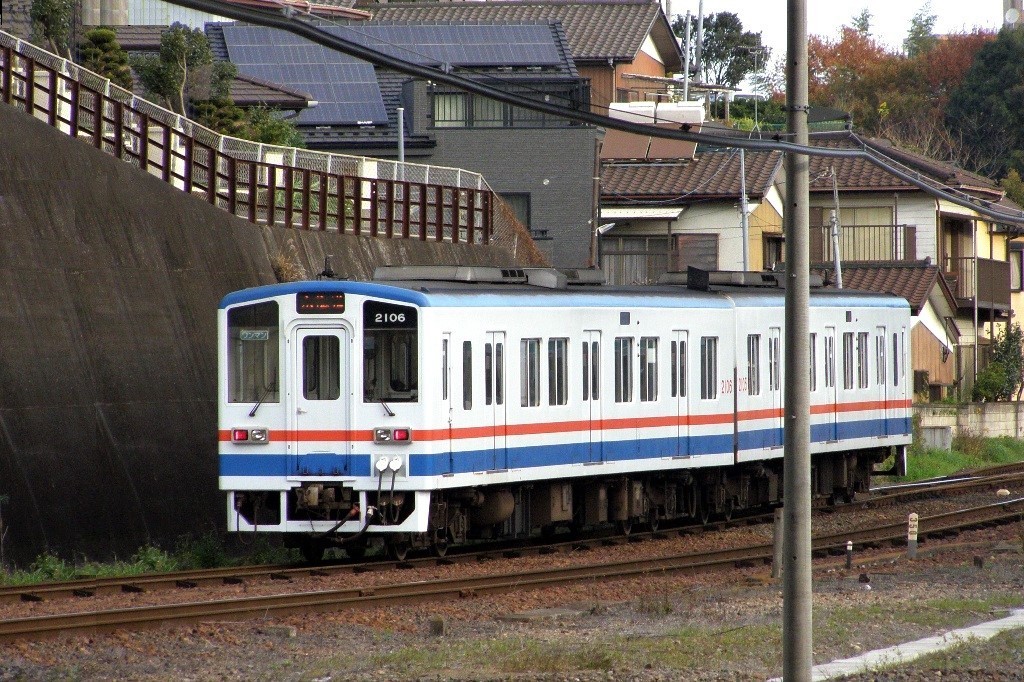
(437, 405)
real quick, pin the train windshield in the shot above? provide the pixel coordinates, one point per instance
(253, 354)
(390, 353)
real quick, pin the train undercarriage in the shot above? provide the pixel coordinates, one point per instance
(545, 508)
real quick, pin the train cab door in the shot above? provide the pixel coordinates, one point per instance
(831, 388)
(775, 384)
(679, 352)
(880, 381)
(319, 442)
(591, 355)
(494, 394)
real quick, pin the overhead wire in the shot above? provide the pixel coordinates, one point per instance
(685, 133)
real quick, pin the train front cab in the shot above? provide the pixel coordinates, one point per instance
(319, 404)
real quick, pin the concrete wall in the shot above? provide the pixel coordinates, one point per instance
(110, 282)
(989, 420)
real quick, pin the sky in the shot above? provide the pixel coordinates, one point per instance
(890, 19)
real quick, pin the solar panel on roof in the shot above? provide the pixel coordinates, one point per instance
(345, 88)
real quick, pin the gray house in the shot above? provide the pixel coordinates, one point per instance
(542, 166)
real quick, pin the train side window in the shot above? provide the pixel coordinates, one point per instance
(830, 359)
(709, 367)
(444, 369)
(862, 359)
(253, 350)
(321, 368)
(467, 375)
(648, 368)
(499, 373)
(678, 361)
(880, 359)
(529, 372)
(558, 371)
(895, 359)
(813, 383)
(488, 374)
(586, 370)
(624, 369)
(595, 370)
(754, 364)
(774, 361)
(847, 360)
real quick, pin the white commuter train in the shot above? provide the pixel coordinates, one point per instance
(439, 404)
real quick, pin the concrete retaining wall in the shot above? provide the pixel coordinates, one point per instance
(989, 420)
(109, 285)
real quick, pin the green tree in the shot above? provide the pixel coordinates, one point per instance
(51, 21)
(1001, 379)
(729, 54)
(987, 109)
(102, 54)
(184, 71)
(920, 38)
(258, 124)
(861, 22)
(1014, 186)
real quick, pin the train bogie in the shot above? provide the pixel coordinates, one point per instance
(436, 410)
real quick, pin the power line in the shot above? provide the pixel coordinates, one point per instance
(321, 37)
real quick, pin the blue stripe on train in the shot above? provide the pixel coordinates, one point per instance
(276, 464)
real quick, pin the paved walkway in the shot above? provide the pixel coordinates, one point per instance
(904, 653)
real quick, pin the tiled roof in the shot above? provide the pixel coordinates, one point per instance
(710, 175)
(913, 280)
(597, 30)
(247, 91)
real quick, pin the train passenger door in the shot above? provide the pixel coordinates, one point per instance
(318, 398)
(592, 393)
(775, 384)
(494, 394)
(880, 382)
(447, 389)
(679, 352)
(831, 389)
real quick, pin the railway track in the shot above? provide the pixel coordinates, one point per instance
(1010, 476)
(333, 600)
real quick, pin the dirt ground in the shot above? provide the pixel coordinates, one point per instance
(722, 626)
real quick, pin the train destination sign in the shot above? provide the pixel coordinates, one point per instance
(322, 303)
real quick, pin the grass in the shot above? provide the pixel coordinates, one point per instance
(968, 452)
(206, 551)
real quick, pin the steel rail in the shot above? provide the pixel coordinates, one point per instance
(361, 597)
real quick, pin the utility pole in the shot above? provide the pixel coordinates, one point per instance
(797, 653)
(686, 61)
(744, 208)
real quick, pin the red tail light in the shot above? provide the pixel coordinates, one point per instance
(239, 434)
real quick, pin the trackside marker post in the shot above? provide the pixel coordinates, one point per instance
(912, 536)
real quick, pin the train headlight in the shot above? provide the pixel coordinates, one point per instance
(253, 436)
(398, 435)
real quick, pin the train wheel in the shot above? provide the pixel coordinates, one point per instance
(653, 520)
(312, 550)
(441, 546)
(398, 549)
(625, 527)
(704, 512)
(727, 510)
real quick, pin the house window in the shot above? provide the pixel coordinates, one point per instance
(774, 249)
(450, 110)
(488, 113)
(1016, 268)
(634, 260)
(520, 205)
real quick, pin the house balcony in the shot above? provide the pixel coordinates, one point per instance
(991, 287)
(865, 243)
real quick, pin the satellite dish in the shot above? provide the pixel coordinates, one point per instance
(1012, 15)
